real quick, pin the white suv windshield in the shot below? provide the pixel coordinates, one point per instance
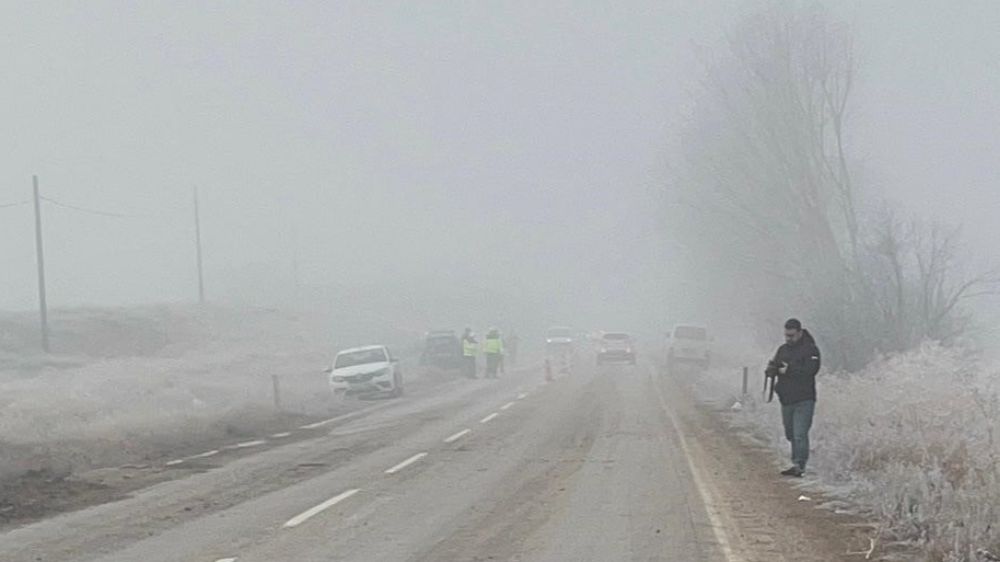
(360, 358)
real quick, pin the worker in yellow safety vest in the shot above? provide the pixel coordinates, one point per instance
(493, 347)
(470, 347)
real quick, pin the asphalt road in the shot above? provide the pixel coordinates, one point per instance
(588, 467)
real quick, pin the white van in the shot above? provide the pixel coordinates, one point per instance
(689, 345)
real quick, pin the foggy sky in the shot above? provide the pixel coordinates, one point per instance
(522, 146)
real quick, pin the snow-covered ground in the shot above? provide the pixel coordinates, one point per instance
(123, 382)
(912, 440)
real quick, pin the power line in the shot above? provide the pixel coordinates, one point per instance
(85, 209)
(15, 204)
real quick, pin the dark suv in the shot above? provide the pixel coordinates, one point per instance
(442, 349)
(616, 347)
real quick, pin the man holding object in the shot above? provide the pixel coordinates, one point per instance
(795, 365)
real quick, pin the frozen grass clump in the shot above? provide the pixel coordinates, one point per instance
(123, 380)
(912, 440)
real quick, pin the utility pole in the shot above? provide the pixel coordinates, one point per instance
(40, 257)
(197, 241)
(295, 271)
(295, 260)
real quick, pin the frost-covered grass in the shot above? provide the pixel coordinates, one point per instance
(912, 440)
(123, 382)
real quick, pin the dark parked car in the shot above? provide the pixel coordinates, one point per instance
(442, 349)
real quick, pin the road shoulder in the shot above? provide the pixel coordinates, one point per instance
(768, 517)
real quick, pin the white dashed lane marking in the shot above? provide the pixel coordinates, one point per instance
(318, 424)
(406, 463)
(247, 444)
(458, 436)
(507, 405)
(280, 435)
(205, 455)
(345, 417)
(312, 512)
(489, 418)
(175, 462)
(522, 396)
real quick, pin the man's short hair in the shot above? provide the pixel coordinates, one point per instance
(793, 324)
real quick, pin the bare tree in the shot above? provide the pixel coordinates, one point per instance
(914, 283)
(884, 268)
(942, 285)
(769, 202)
(768, 168)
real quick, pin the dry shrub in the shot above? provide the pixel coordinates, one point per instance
(911, 439)
(104, 408)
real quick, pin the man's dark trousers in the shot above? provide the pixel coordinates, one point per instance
(798, 418)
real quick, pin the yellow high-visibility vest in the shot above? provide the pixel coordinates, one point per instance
(493, 346)
(469, 348)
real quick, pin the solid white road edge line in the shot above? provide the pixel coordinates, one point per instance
(406, 463)
(458, 436)
(311, 512)
(714, 516)
(507, 405)
(489, 417)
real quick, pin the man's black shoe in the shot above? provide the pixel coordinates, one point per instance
(793, 471)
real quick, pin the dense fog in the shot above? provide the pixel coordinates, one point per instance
(473, 163)
(638, 195)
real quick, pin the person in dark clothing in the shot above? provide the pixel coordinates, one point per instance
(795, 365)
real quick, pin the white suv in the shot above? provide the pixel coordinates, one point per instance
(365, 370)
(688, 345)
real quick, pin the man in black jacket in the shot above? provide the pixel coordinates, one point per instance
(795, 365)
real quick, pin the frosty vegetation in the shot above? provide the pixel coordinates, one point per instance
(132, 384)
(773, 202)
(911, 439)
